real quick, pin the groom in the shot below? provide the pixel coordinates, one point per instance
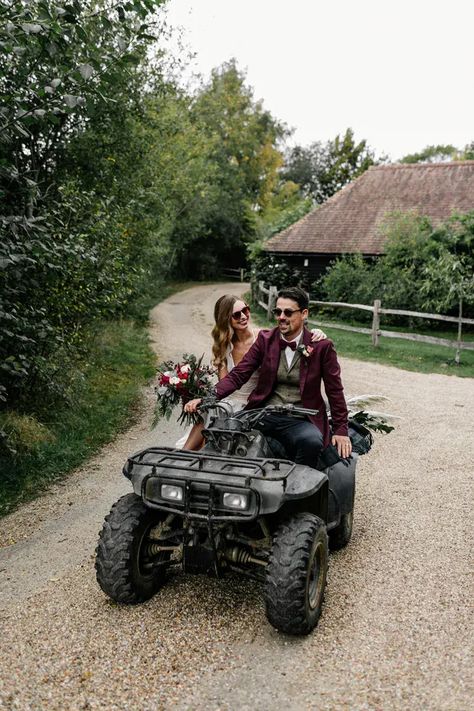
(291, 371)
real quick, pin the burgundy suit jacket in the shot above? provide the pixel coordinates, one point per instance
(320, 365)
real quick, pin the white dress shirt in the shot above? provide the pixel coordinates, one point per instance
(289, 353)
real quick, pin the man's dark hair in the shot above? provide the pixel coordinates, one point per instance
(296, 293)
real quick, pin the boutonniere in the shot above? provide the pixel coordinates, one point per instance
(305, 350)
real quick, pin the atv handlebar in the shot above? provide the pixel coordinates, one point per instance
(288, 409)
(211, 403)
(253, 417)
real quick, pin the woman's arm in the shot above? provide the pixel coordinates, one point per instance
(237, 376)
(222, 372)
(317, 334)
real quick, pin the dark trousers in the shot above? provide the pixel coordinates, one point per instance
(301, 439)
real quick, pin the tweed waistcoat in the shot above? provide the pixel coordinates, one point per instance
(287, 384)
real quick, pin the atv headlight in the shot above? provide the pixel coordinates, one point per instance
(171, 492)
(235, 501)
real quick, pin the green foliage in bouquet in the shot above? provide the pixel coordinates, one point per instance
(372, 421)
(368, 418)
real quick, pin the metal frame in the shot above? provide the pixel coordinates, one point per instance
(197, 458)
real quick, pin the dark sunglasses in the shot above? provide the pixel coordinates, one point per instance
(288, 312)
(237, 315)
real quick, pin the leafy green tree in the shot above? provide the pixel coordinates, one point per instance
(468, 152)
(60, 250)
(449, 271)
(243, 160)
(322, 169)
(432, 154)
(348, 279)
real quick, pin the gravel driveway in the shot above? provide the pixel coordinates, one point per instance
(396, 630)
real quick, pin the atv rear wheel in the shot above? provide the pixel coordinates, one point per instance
(125, 569)
(296, 574)
(341, 534)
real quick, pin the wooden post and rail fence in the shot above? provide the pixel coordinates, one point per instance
(234, 273)
(260, 291)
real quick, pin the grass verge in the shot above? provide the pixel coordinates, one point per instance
(107, 401)
(408, 355)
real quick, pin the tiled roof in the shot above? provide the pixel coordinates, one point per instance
(349, 221)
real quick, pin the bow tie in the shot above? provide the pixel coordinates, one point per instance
(288, 344)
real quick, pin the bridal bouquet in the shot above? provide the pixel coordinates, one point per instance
(180, 382)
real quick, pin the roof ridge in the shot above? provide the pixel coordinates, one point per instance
(414, 166)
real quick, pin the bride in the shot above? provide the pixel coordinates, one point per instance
(232, 335)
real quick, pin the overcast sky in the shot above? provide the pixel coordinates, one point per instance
(399, 73)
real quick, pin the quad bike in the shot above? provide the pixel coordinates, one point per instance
(237, 504)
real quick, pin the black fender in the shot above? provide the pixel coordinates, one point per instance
(341, 478)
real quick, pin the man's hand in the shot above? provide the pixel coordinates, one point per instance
(317, 335)
(192, 405)
(343, 445)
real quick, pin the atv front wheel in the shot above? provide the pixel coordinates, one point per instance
(296, 574)
(126, 570)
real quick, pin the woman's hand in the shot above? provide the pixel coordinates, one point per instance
(318, 335)
(192, 405)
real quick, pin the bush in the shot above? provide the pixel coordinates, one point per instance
(21, 434)
(416, 273)
(275, 271)
(348, 279)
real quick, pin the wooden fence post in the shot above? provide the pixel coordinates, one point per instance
(376, 323)
(272, 297)
(457, 355)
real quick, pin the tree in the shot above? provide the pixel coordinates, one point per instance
(468, 153)
(423, 267)
(449, 270)
(432, 154)
(61, 249)
(235, 162)
(322, 169)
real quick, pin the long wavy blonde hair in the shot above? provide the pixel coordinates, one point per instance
(222, 332)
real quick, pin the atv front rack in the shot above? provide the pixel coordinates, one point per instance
(201, 463)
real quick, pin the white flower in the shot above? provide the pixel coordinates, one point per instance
(161, 390)
(185, 368)
(169, 373)
(174, 380)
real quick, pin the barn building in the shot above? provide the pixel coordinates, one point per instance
(350, 221)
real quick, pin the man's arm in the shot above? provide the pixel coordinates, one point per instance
(331, 373)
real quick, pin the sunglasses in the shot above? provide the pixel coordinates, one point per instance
(237, 315)
(288, 312)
